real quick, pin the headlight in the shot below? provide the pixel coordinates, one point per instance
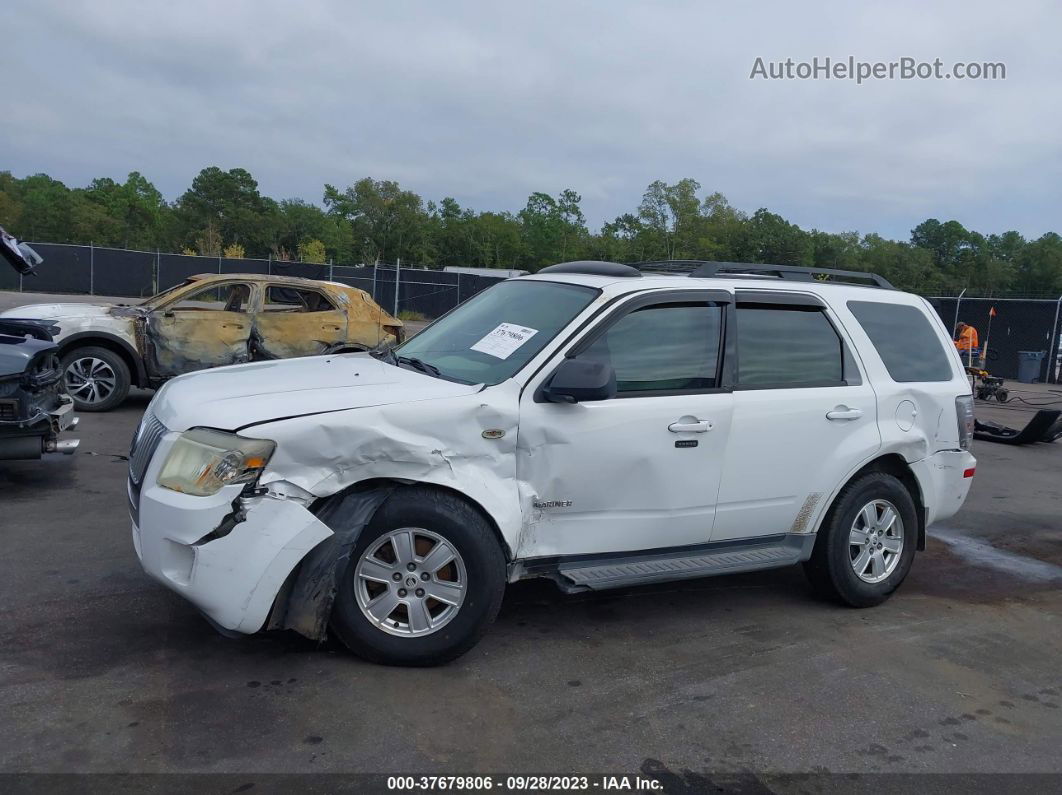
(201, 461)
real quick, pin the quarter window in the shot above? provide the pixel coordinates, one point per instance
(787, 346)
(905, 341)
(662, 349)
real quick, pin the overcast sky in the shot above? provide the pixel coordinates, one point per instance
(488, 102)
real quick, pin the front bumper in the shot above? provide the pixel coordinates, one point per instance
(233, 577)
(32, 438)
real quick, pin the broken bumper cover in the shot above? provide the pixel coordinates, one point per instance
(233, 577)
(944, 483)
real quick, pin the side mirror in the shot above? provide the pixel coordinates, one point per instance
(580, 380)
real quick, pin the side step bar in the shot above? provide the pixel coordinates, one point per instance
(681, 563)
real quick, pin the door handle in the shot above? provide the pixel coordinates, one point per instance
(700, 426)
(231, 325)
(844, 413)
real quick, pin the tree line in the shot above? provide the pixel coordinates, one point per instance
(223, 212)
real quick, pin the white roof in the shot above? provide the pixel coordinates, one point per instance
(828, 291)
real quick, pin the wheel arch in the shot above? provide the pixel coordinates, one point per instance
(365, 485)
(111, 342)
(891, 464)
(350, 348)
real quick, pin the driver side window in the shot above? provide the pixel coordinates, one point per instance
(662, 349)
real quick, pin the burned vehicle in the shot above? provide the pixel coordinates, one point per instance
(210, 320)
(34, 409)
(593, 424)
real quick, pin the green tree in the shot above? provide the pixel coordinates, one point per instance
(906, 266)
(553, 229)
(300, 221)
(229, 201)
(312, 250)
(208, 242)
(1039, 265)
(497, 240)
(767, 237)
(133, 210)
(46, 210)
(10, 205)
(386, 222)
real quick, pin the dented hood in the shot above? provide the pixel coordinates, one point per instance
(234, 397)
(57, 311)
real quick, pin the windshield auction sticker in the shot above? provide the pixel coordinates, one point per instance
(503, 340)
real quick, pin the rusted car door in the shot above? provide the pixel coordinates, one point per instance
(297, 321)
(208, 327)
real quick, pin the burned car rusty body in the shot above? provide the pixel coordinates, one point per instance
(210, 320)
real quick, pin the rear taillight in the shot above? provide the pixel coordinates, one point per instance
(964, 413)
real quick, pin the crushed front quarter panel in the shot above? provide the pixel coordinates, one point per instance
(438, 441)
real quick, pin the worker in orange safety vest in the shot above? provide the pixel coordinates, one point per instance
(966, 337)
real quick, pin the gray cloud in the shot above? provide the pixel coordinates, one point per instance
(490, 101)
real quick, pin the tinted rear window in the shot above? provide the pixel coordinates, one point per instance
(905, 341)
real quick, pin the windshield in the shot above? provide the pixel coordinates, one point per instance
(156, 299)
(491, 336)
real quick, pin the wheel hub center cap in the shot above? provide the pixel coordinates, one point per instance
(411, 581)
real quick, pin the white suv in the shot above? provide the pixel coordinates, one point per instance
(596, 424)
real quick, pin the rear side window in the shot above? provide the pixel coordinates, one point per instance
(905, 341)
(292, 299)
(784, 347)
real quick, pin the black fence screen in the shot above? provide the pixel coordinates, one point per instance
(137, 274)
(1017, 325)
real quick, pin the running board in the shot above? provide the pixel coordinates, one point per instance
(679, 564)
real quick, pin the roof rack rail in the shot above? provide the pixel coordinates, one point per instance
(700, 269)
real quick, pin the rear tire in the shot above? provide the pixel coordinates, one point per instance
(96, 378)
(397, 621)
(867, 542)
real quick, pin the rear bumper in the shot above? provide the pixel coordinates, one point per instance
(233, 576)
(944, 488)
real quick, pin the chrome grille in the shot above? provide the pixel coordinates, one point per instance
(144, 443)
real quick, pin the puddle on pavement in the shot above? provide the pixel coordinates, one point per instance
(981, 553)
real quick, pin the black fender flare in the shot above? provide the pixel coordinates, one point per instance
(138, 371)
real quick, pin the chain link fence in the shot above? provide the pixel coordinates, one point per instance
(92, 270)
(1018, 325)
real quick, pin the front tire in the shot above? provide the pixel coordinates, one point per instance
(866, 545)
(424, 581)
(96, 378)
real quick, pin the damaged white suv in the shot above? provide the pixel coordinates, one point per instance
(596, 424)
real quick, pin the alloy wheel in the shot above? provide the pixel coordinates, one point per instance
(90, 380)
(410, 582)
(875, 541)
